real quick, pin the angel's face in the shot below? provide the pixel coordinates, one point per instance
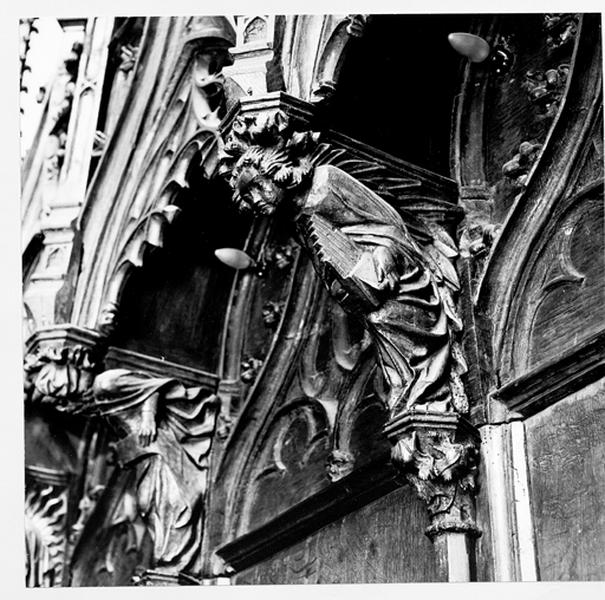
(258, 193)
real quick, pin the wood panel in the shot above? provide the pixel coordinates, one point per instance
(571, 306)
(562, 303)
(290, 466)
(566, 451)
(383, 542)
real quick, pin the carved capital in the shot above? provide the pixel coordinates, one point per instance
(438, 453)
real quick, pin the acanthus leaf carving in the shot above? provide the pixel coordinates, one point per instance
(438, 453)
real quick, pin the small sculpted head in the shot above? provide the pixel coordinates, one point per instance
(107, 320)
(265, 162)
(257, 193)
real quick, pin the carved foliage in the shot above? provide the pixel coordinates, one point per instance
(45, 512)
(519, 166)
(545, 89)
(439, 455)
(544, 86)
(561, 29)
(269, 293)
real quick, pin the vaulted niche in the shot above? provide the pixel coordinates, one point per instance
(397, 87)
(174, 306)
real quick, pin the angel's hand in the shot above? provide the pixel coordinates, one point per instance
(386, 268)
(147, 430)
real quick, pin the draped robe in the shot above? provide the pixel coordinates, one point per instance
(164, 476)
(411, 327)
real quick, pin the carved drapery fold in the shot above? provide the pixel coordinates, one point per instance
(164, 433)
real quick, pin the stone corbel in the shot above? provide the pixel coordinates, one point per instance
(438, 454)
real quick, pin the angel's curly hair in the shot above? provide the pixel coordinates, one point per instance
(269, 146)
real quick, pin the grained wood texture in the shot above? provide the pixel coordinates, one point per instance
(566, 451)
(484, 558)
(383, 542)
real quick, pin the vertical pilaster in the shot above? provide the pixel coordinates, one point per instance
(503, 454)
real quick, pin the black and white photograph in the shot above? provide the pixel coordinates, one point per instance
(311, 298)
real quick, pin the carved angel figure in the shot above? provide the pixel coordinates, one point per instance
(164, 432)
(402, 286)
